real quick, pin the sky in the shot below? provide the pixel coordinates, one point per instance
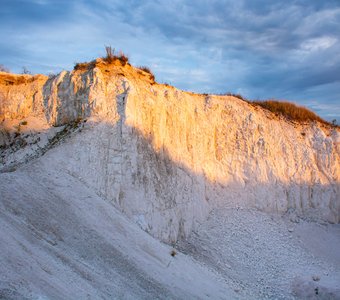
(262, 49)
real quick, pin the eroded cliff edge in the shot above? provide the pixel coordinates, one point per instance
(167, 157)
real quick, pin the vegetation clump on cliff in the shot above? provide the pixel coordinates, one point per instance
(109, 58)
(147, 70)
(236, 95)
(290, 111)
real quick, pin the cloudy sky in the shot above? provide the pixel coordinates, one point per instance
(261, 49)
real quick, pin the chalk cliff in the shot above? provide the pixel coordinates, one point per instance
(166, 157)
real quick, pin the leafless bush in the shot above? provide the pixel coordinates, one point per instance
(110, 54)
(4, 69)
(25, 71)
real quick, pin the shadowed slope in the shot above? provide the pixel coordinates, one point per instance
(60, 240)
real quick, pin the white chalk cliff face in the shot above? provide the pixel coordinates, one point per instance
(167, 157)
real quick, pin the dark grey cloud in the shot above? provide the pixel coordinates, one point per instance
(263, 49)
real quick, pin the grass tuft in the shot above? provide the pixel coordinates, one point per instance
(81, 66)
(111, 56)
(236, 96)
(147, 70)
(84, 66)
(123, 58)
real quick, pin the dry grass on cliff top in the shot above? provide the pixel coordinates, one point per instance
(17, 79)
(111, 57)
(290, 111)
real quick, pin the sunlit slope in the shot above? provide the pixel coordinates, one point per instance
(167, 157)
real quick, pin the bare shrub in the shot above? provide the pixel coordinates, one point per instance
(25, 71)
(110, 54)
(4, 69)
(51, 75)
